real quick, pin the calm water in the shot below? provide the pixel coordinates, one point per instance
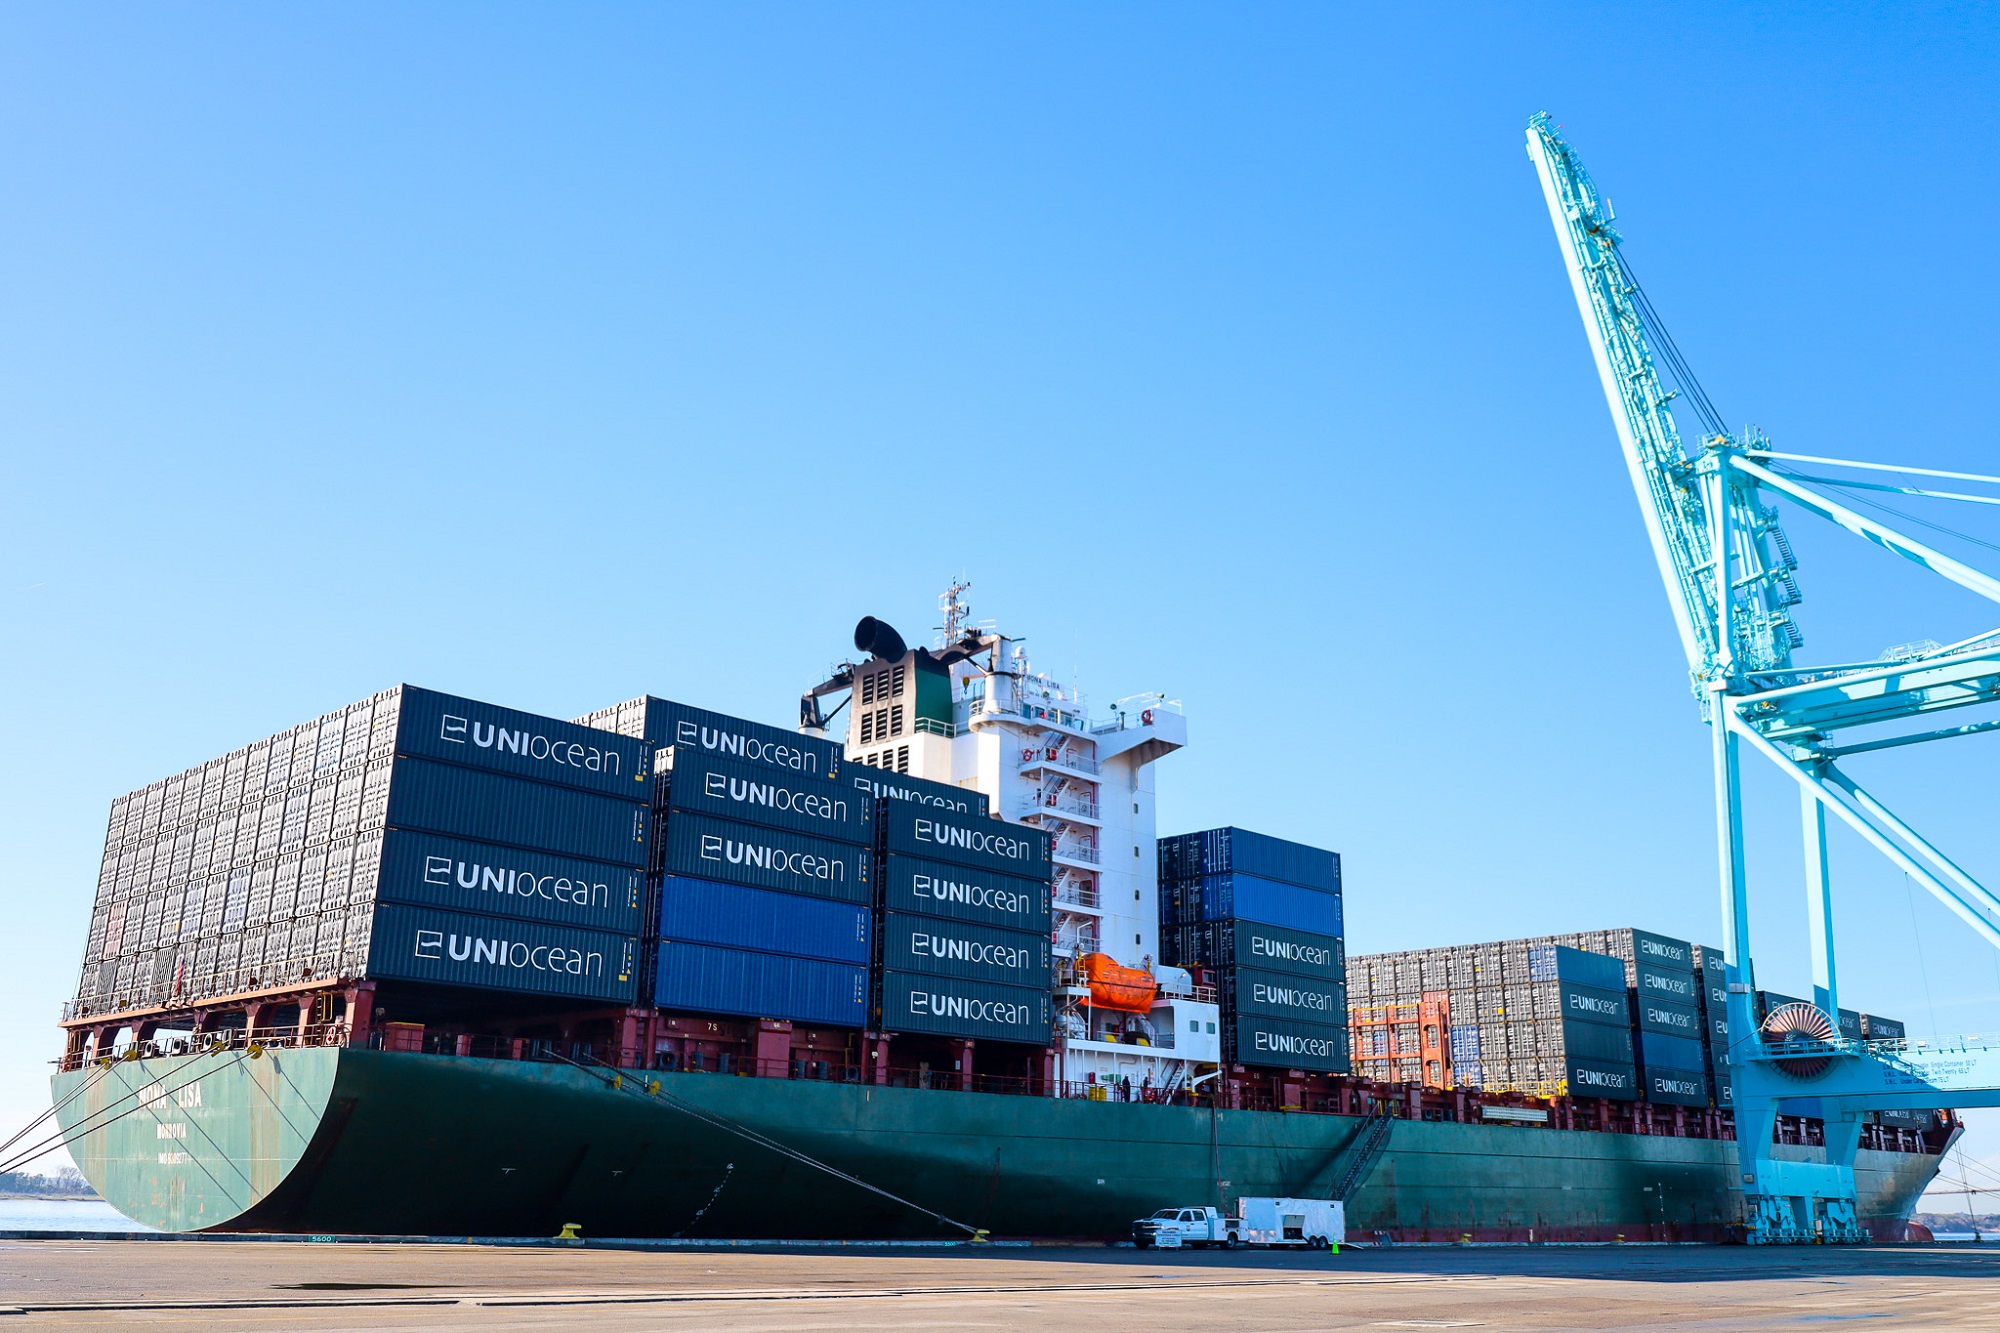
(63, 1215)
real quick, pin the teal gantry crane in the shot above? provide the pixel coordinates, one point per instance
(1729, 572)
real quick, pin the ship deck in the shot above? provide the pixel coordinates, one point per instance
(243, 1284)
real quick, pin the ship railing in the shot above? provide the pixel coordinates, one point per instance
(178, 1042)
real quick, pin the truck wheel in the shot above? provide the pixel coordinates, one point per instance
(1234, 1242)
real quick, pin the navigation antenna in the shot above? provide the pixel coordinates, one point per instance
(957, 612)
(1728, 570)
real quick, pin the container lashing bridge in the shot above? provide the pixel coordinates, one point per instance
(1712, 514)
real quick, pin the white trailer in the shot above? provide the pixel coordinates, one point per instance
(1312, 1224)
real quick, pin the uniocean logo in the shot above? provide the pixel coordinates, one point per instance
(742, 745)
(974, 840)
(509, 740)
(1598, 1078)
(772, 796)
(777, 860)
(1285, 1043)
(435, 945)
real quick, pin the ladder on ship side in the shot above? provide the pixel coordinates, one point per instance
(1370, 1141)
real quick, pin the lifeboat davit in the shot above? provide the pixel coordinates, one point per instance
(1115, 986)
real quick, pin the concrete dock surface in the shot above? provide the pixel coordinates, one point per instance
(361, 1286)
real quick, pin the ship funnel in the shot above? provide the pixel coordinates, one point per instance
(879, 639)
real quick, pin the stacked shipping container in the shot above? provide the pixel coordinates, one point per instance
(1526, 1015)
(964, 915)
(1263, 917)
(411, 835)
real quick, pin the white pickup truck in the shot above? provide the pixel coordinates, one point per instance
(1193, 1228)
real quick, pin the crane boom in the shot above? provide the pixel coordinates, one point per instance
(1672, 498)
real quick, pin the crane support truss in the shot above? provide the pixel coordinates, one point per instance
(1727, 567)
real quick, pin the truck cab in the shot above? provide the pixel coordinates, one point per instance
(1189, 1227)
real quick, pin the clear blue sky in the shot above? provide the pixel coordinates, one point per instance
(553, 354)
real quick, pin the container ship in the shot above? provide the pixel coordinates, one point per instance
(430, 966)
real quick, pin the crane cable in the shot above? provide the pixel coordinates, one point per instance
(652, 1091)
(1683, 374)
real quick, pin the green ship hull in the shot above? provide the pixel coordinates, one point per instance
(354, 1141)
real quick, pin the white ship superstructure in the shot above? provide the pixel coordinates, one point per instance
(972, 712)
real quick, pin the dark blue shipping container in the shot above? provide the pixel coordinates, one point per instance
(1668, 1052)
(930, 888)
(1237, 896)
(882, 784)
(1675, 1020)
(514, 812)
(1220, 851)
(965, 840)
(1662, 951)
(1559, 962)
(436, 871)
(930, 946)
(1597, 1041)
(1253, 1039)
(1221, 944)
(1764, 1001)
(1676, 1087)
(768, 797)
(669, 723)
(706, 979)
(1591, 1005)
(700, 911)
(953, 1007)
(492, 953)
(1849, 1022)
(1882, 1029)
(1657, 983)
(1714, 991)
(1602, 1078)
(722, 849)
(1278, 995)
(1715, 1027)
(522, 745)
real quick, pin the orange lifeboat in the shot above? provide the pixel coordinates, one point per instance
(1115, 986)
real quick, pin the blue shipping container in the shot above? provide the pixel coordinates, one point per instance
(523, 745)
(668, 723)
(1658, 983)
(1231, 896)
(928, 946)
(1602, 1078)
(1246, 991)
(965, 840)
(1592, 1005)
(929, 888)
(437, 871)
(1661, 951)
(1223, 850)
(954, 1007)
(1669, 1052)
(1559, 962)
(700, 911)
(1597, 1041)
(514, 812)
(1676, 1087)
(491, 953)
(1675, 1020)
(1254, 1039)
(768, 797)
(722, 849)
(711, 980)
